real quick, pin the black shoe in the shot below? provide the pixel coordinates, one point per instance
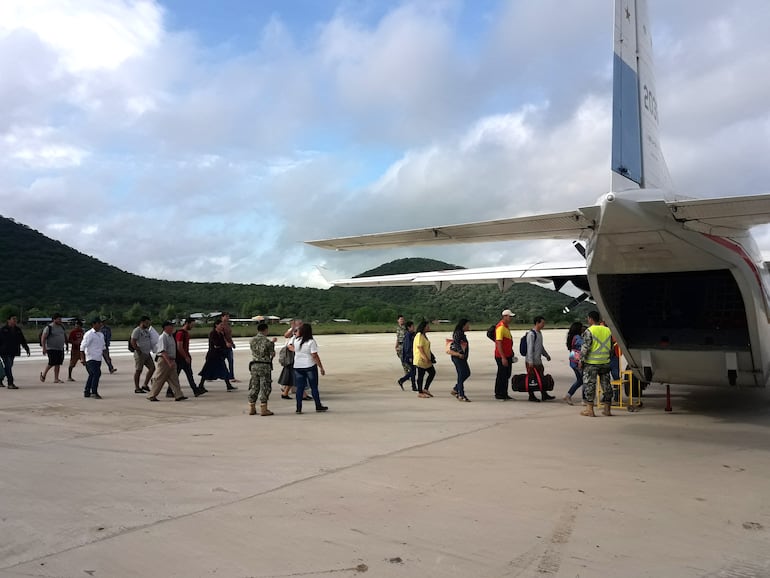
(231, 388)
(145, 389)
(401, 384)
(197, 392)
(169, 393)
(298, 411)
(203, 390)
(96, 396)
(181, 398)
(533, 398)
(285, 396)
(138, 390)
(321, 408)
(153, 398)
(86, 395)
(547, 397)
(414, 388)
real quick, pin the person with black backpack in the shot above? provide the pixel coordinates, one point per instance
(503, 355)
(534, 353)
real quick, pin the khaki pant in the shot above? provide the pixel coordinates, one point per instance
(166, 373)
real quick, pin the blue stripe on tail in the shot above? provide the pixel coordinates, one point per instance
(626, 126)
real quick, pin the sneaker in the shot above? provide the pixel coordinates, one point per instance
(568, 399)
(547, 397)
(138, 390)
(86, 395)
(145, 389)
(113, 370)
(169, 393)
(321, 408)
(11, 386)
(454, 392)
(231, 388)
(96, 396)
(533, 398)
(70, 379)
(153, 398)
(182, 398)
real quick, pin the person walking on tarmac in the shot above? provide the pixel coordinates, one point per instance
(595, 362)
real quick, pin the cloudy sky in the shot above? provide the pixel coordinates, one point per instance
(205, 140)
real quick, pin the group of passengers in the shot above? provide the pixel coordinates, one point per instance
(593, 356)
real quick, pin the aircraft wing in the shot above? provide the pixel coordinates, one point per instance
(543, 273)
(711, 215)
(567, 225)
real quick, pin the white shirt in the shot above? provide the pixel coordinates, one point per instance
(167, 343)
(93, 345)
(303, 355)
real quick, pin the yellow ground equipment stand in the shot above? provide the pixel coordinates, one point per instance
(632, 402)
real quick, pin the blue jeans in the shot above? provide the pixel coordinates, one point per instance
(578, 381)
(306, 376)
(8, 363)
(463, 373)
(94, 369)
(615, 368)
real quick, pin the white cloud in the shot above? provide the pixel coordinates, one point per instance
(116, 130)
(87, 34)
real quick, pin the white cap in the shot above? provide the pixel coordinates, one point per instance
(509, 313)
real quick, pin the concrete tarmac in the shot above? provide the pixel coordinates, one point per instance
(384, 483)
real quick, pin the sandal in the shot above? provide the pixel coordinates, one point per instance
(422, 394)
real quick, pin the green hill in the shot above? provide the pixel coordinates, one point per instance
(48, 275)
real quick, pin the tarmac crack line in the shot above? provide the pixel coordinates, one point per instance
(321, 474)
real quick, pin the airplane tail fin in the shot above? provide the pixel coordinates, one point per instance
(637, 158)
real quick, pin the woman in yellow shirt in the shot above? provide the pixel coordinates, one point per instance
(423, 359)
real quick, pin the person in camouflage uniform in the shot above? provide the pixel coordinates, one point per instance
(595, 361)
(262, 352)
(400, 333)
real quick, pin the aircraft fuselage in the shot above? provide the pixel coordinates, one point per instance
(685, 306)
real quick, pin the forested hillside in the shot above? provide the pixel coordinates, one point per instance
(42, 275)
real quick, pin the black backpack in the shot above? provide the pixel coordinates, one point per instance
(491, 332)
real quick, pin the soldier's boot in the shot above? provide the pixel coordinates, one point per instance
(606, 409)
(263, 409)
(588, 409)
(252, 408)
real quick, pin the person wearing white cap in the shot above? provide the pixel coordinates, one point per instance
(503, 355)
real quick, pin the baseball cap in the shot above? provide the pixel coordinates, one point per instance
(508, 312)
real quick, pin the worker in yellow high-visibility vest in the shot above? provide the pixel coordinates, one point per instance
(595, 361)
